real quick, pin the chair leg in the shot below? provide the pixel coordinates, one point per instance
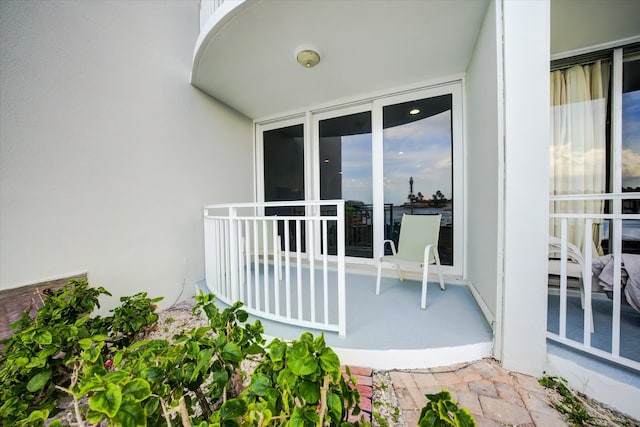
(437, 256)
(378, 279)
(425, 274)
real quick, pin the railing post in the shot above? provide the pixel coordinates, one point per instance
(233, 249)
(342, 294)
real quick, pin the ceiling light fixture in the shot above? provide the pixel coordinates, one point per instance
(308, 58)
(414, 111)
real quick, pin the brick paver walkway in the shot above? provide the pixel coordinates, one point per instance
(364, 379)
(494, 396)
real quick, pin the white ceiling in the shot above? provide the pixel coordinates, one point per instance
(576, 24)
(365, 47)
(248, 61)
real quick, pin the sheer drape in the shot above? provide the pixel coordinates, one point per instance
(578, 143)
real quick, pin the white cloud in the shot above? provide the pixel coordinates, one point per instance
(630, 163)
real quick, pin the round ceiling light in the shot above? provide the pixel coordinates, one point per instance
(414, 111)
(308, 58)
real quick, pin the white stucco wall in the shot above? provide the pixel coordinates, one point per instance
(484, 162)
(106, 152)
(526, 170)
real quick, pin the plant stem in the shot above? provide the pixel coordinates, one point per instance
(323, 400)
(204, 404)
(184, 413)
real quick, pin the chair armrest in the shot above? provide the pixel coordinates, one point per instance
(393, 247)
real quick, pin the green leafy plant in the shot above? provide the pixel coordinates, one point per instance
(441, 410)
(39, 360)
(570, 405)
(299, 384)
(114, 377)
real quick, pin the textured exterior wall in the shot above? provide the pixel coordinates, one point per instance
(106, 152)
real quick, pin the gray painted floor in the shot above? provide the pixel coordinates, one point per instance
(394, 319)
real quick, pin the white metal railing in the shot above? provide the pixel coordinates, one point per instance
(615, 248)
(278, 264)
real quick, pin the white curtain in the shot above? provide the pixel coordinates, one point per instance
(578, 144)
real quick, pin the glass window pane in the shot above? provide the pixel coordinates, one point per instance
(284, 174)
(345, 173)
(631, 151)
(284, 163)
(418, 166)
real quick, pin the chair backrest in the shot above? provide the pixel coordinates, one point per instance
(416, 232)
(573, 253)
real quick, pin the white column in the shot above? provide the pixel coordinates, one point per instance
(523, 312)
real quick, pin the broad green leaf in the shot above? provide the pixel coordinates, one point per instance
(254, 349)
(242, 316)
(297, 418)
(151, 406)
(334, 403)
(107, 401)
(444, 414)
(305, 366)
(42, 337)
(287, 378)
(260, 383)
(115, 376)
(231, 353)
(463, 418)
(277, 350)
(311, 415)
(329, 360)
(138, 389)
(87, 384)
(130, 414)
(307, 337)
(232, 409)
(94, 416)
(309, 391)
(91, 354)
(299, 351)
(152, 374)
(201, 332)
(220, 377)
(429, 419)
(38, 381)
(34, 416)
(319, 343)
(117, 358)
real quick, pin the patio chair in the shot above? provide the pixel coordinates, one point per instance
(417, 248)
(575, 263)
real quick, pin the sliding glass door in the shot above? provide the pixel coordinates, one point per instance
(388, 157)
(345, 172)
(418, 166)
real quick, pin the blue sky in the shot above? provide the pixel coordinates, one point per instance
(631, 139)
(421, 149)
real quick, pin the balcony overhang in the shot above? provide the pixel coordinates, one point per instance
(246, 53)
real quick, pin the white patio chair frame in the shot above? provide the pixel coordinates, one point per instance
(574, 256)
(430, 255)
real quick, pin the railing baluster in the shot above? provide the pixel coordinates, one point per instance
(586, 279)
(247, 264)
(299, 269)
(617, 290)
(256, 265)
(276, 266)
(325, 272)
(265, 257)
(287, 268)
(563, 278)
(312, 270)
